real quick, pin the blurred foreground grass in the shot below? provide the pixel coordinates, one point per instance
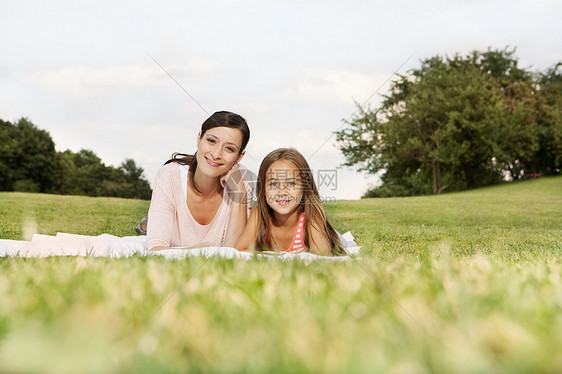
(466, 282)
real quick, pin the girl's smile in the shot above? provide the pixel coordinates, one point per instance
(283, 202)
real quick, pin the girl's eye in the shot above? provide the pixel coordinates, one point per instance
(272, 184)
(212, 141)
(291, 184)
(230, 149)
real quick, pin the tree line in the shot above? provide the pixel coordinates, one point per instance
(458, 123)
(30, 163)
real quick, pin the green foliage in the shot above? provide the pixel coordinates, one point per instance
(133, 184)
(29, 163)
(28, 156)
(6, 149)
(458, 123)
(462, 282)
(550, 90)
(26, 185)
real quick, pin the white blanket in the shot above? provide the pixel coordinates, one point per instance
(106, 245)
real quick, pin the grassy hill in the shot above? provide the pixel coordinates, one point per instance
(463, 282)
(514, 220)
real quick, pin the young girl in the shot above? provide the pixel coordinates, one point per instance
(289, 216)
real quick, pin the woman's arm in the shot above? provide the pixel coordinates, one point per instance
(159, 248)
(247, 240)
(240, 199)
(161, 213)
(236, 223)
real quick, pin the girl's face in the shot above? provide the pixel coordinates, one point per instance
(283, 187)
(218, 150)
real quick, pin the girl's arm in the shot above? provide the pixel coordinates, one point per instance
(319, 243)
(247, 241)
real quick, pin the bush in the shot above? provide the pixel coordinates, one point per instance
(26, 185)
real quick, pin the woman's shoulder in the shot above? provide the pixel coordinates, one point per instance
(171, 168)
(242, 167)
(169, 172)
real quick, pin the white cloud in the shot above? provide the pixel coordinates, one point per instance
(82, 82)
(337, 86)
(292, 68)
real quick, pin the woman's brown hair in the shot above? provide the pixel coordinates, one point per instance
(310, 204)
(218, 119)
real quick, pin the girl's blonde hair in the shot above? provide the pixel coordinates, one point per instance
(310, 204)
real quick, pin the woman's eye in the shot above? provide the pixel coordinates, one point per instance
(230, 149)
(212, 141)
(272, 184)
(291, 184)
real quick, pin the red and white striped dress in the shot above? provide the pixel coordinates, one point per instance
(297, 244)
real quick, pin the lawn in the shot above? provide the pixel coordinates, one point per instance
(465, 282)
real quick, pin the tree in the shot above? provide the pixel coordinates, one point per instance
(28, 157)
(457, 123)
(8, 135)
(549, 86)
(30, 163)
(90, 172)
(432, 127)
(134, 176)
(127, 181)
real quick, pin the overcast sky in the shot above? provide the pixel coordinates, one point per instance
(83, 71)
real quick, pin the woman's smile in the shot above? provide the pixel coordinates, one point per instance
(212, 163)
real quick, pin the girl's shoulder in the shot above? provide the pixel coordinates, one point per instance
(253, 215)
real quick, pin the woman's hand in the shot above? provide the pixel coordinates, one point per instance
(236, 188)
(233, 173)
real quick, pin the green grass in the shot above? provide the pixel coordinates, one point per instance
(511, 221)
(466, 282)
(49, 214)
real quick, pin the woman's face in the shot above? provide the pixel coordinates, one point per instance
(218, 150)
(283, 187)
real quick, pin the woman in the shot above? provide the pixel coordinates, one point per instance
(202, 200)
